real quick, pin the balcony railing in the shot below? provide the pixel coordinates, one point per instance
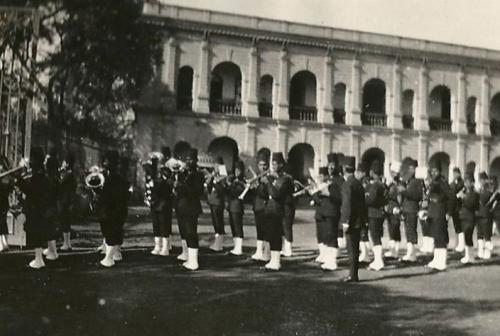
(374, 119)
(471, 127)
(304, 113)
(185, 103)
(339, 116)
(495, 127)
(407, 121)
(439, 124)
(265, 110)
(225, 106)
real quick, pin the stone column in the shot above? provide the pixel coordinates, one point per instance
(395, 113)
(250, 141)
(422, 119)
(483, 120)
(282, 111)
(460, 153)
(459, 123)
(325, 115)
(252, 101)
(484, 155)
(326, 143)
(354, 145)
(395, 147)
(422, 150)
(281, 139)
(168, 75)
(202, 93)
(354, 113)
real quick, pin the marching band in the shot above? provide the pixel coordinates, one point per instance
(352, 204)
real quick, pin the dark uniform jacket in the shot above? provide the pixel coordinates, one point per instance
(330, 205)
(495, 205)
(161, 193)
(376, 199)
(234, 189)
(67, 191)
(440, 198)
(5, 190)
(484, 197)
(353, 210)
(412, 195)
(216, 193)
(36, 201)
(469, 206)
(280, 190)
(113, 198)
(394, 198)
(261, 197)
(188, 193)
(456, 186)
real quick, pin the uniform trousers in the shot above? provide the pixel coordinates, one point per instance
(4, 230)
(52, 223)
(468, 230)
(426, 227)
(236, 223)
(394, 222)
(457, 223)
(411, 227)
(260, 222)
(217, 213)
(288, 218)
(439, 231)
(364, 234)
(66, 219)
(188, 228)
(112, 230)
(162, 222)
(274, 231)
(353, 236)
(484, 228)
(36, 231)
(327, 231)
(376, 228)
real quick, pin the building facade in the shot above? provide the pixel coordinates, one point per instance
(233, 85)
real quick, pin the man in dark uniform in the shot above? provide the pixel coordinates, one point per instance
(376, 201)
(5, 190)
(395, 202)
(412, 196)
(485, 220)
(188, 190)
(335, 174)
(456, 186)
(113, 199)
(288, 219)
(279, 187)
(216, 200)
(67, 199)
(235, 185)
(361, 174)
(353, 215)
(52, 210)
(259, 209)
(468, 206)
(440, 200)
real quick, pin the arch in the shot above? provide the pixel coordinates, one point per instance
(181, 148)
(373, 108)
(471, 115)
(371, 155)
(185, 89)
(300, 161)
(407, 108)
(302, 99)
(225, 147)
(442, 159)
(495, 167)
(266, 96)
(339, 100)
(494, 114)
(440, 109)
(225, 89)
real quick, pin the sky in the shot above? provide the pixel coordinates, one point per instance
(467, 22)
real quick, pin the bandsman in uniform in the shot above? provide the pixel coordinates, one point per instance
(395, 202)
(216, 201)
(494, 203)
(262, 251)
(364, 246)
(234, 187)
(335, 174)
(68, 199)
(353, 216)
(456, 186)
(469, 204)
(52, 210)
(427, 239)
(288, 219)
(188, 190)
(112, 207)
(376, 200)
(412, 193)
(5, 190)
(440, 200)
(485, 221)
(279, 187)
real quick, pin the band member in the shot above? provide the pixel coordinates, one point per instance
(279, 187)
(361, 175)
(494, 203)
(376, 200)
(161, 204)
(395, 202)
(469, 204)
(112, 207)
(67, 199)
(412, 196)
(188, 190)
(456, 186)
(288, 219)
(485, 221)
(216, 201)
(5, 190)
(318, 216)
(353, 215)
(425, 223)
(439, 209)
(235, 186)
(262, 252)
(35, 204)
(335, 174)
(52, 210)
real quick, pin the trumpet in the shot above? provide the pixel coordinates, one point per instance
(312, 188)
(251, 183)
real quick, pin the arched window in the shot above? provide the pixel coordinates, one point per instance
(339, 100)
(225, 89)
(373, 113)
(303, 97)
(440, 109)
(225, 148)
(471, 115)
(495, 114)
(300, 161)
(407, 108)
(266, 97)
(185, 89)
(372, 154)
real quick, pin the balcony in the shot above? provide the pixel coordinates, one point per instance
(303, 113)
(184, 103)
(339, 116)
(495, 127)
(265, 110)
(374, 119)
(407, 121)
(439, 124)
(225, 106)
(471, 128)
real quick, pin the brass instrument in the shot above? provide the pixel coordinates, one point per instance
(251, 182)
(492, 202)
(94, 181)
(23, 166)
(312, 188)
(11, 171)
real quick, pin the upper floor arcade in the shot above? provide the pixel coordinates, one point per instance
(214, 64)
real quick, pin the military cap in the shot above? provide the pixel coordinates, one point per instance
(278, 157)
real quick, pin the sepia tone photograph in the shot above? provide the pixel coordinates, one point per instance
(249, 167)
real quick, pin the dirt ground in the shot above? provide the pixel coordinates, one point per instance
(152, 295)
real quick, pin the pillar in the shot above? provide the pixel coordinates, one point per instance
(422, 150)
(252, 101)
(354, 113)
(422, 120)
(460, 153)
(250, 139)
(282, 111)
(281, 139)
(484, 155)
(395, 113)
(459, 123)
(326, 135)
(325, 115)
(168, 75)
(354, 145)
(202, 95)
(483, 124)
